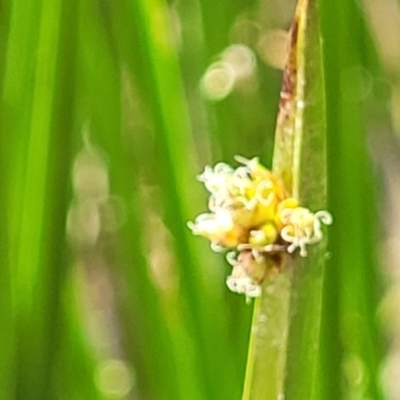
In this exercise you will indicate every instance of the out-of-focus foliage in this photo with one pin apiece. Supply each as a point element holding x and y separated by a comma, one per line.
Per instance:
<point>108,112</point>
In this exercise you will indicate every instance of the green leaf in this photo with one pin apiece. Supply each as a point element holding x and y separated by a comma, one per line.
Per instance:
<point>286,327</point>
<point>129,72</point>
<point>352,339</point>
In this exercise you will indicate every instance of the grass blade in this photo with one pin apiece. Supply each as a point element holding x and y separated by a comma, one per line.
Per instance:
<point>306,298</point>
<point>285,363</point>
<point>351,333</point>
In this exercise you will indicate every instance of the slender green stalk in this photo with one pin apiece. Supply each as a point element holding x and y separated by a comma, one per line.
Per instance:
<point>38,148</point>
<point>7,320</point>
<point>299,158</point>
<point>30,88</point>
<point>251,352</point>
<point>267,351</point>
<point>174,144</point>
<point>351,333</point>
<point>131,71</point>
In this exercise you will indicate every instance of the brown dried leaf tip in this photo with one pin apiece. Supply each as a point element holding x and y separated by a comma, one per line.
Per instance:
<point>252,215</point>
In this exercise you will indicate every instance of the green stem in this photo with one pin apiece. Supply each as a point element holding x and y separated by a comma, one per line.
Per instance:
<point>251,354</point>
<point>267,351</point>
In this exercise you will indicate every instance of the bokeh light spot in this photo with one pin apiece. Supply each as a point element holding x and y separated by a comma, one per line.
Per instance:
<point>273,48</point>
<point>114,378</point>
<point>218,81</point>
<point>242,60</point>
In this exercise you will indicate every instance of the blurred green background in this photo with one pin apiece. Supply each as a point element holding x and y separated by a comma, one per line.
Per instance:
<point>109,110</point>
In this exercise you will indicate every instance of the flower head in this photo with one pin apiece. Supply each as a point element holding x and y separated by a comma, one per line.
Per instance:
<point>300,226</point>
<point>252,213</point>
<point>248,272</point>
<point>219,228</point>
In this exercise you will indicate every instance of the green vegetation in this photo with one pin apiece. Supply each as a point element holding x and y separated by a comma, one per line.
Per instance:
<point>109,110</point>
